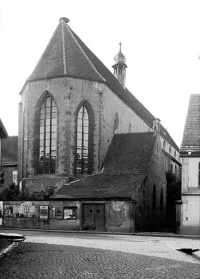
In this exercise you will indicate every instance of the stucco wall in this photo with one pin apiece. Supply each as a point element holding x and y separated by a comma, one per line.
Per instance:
<point>119,215</point>
<point>190,215</point>
<point>29,215</point>
<point>190,172</point>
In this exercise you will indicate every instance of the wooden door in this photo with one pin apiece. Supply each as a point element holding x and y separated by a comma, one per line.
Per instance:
<point>94,217</point>
<point>99,211</point>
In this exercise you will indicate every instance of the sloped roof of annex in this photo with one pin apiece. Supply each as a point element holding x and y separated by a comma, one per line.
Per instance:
<point>125,168</point>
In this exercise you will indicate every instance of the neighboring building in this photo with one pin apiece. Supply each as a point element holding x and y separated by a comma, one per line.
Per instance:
<point>3,135</point>
<point>9,161</point>
<point>190,155</point>
<point>71,107</point>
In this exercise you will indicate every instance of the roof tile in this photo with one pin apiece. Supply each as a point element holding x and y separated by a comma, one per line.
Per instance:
<point>191,135</point>
<point>125,167</point>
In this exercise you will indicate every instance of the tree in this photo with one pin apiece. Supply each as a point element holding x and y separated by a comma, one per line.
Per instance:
<point>173,194</point>
<point>173,188</point>
<point>2,178</point>
<point>13,194</point>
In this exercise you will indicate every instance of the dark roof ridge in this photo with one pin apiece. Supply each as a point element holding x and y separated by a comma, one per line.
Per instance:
<point>137,133</point>
<point>13,136</point>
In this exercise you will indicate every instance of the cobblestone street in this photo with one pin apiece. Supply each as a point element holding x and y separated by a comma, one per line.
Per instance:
<point>79,255</point>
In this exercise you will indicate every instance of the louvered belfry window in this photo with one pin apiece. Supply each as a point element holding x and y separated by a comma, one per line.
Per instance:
<point>48,136</point>
<point>82,141</point>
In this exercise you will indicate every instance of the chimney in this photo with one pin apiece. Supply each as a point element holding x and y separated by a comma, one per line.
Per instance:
<point>156,125</point>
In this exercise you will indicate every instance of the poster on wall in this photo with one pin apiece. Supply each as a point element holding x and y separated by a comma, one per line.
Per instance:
<point>1,212</point>
<point>44,212</point>
<point>70,213</point>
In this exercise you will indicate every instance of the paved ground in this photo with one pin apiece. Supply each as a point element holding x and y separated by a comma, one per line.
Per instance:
<point>66,255</point>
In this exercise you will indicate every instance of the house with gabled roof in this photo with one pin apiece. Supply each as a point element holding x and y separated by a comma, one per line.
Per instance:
<point>71,107</point>
<point>9,161</point>
<point>3,135</point>
<point>190,155</point>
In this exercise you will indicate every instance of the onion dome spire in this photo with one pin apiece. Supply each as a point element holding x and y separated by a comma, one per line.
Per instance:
<point>120,66</point>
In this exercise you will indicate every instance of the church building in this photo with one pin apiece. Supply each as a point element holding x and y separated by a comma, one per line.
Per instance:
<point>72,111</point>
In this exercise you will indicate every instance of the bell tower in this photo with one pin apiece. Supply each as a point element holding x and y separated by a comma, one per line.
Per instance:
<point>120,67</point>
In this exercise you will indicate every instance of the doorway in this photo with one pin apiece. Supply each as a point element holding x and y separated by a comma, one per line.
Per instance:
<point>94,217</point>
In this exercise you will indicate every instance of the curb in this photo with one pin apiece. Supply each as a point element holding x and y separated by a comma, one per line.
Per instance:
<point>8,249</point>
<point>153,234</point>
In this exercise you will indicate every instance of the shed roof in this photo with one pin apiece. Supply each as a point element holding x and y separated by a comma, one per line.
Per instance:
<point>125,167</point>
<point>101,186</point>
<point>130,153</point>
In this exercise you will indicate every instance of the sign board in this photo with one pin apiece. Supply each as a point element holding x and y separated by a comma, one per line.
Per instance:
<point>44,212</point>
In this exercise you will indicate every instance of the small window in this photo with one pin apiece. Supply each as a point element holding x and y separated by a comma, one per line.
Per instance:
<point>164,144</point>
<point>70,213</point>
<point>199,175</point>
<point>58,212</point>
<point>175,170</point>
<point>14,176</point>
<point>170,149</point>
<point>175,154</point>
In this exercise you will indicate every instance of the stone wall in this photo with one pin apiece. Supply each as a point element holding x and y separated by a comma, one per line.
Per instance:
<point>147,217</point>
<point>110,115</point>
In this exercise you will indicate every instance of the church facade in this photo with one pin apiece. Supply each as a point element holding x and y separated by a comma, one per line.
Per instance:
<point>71,107</point>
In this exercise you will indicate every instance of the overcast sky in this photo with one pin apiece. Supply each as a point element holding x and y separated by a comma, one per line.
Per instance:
<point>160,39</point>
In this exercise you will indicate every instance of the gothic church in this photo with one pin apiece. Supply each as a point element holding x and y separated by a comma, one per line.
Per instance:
<point>71,109</point>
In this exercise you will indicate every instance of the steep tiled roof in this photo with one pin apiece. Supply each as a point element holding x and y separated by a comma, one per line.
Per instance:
<point>9,150</point>
<point>67,55</point>
<point>3,132</point>
<point>64,56</point>
<point>125,167</point>
<point>102,186</point>
<point>191,135</point>
<point>130,153</point>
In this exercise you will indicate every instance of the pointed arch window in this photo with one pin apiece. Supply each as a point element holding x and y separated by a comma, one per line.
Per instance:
<point>48,136</point>
<point>83,160</point>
